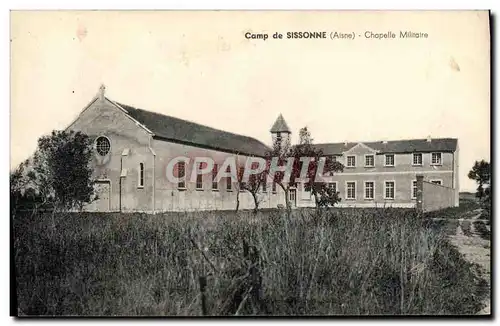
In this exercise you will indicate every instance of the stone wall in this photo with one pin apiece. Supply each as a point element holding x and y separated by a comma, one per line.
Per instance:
<point>432,197</point>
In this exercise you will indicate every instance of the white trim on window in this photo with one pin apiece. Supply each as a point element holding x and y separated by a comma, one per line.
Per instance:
<point>440,158</point>
<point>199,179</point>
<point>215,184</point>
<point>181,185</point>
<point>370,166</point>
<point>421,159</point>
<point>437,180</point>
<point>347,190</point>
<point>373,189</point>
<point>347,161</point>
<point>411,189</point>
<point>393,192</point>
<point>393,160</point>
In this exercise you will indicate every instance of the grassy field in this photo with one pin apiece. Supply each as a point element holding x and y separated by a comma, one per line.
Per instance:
<point>466,209</point>
<point>346,261</point>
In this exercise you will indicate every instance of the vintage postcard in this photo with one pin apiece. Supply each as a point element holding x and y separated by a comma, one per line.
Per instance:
<point>250,163</point>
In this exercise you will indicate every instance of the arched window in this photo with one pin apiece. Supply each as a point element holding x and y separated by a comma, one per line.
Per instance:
<point>102,145</point>
<point>141,175</point>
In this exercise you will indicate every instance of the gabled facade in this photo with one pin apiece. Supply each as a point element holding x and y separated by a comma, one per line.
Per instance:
<point>384,174</point>
<point>133,148</point>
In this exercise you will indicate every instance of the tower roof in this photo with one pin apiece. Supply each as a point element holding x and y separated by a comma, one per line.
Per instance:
<point>280,125</point>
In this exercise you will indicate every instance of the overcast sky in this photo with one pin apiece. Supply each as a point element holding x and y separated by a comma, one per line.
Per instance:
<point>199,66</point>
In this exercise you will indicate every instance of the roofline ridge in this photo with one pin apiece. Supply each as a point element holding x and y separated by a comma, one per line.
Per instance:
<point>190,121</point>
<point>393,140</point>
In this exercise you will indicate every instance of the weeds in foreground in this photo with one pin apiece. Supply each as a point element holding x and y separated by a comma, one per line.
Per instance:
<point>348,262</point>
<point>483,231</point>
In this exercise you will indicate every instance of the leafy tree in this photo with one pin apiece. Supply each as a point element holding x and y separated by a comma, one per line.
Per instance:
<point>324,196</point>
<point>18,182</point>
<point>481,173</point>
<point>62,171</point>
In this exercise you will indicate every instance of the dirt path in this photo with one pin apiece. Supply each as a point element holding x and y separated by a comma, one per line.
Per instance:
<point>476,249</point>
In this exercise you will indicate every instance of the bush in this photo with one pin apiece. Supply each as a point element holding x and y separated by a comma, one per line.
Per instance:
<point>332,261</point>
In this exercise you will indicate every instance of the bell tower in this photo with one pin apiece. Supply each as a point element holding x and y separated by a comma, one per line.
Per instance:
<point>281,133</point>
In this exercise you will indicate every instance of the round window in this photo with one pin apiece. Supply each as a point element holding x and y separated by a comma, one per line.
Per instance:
<point>102,145</point>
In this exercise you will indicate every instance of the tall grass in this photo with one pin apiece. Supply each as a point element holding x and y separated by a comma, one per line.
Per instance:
<point>349,262</point>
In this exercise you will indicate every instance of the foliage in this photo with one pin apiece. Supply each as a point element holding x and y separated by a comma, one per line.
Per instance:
<point>305,149</point>
<point>324,196</point>
<point>481,173</point>
<point>331,261</point>
<point>62,171</point>
<point>18,183</point>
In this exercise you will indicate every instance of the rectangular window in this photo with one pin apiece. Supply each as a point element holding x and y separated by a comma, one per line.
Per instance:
<point>199,178</point>
<point>351,161</point>
<point>182,174</point>
<point>229,184</point>
<point>253,179</point>
<point>369,189</point>
<point>369,161</point>
<point>436,159</point>
<point>333,186</point>
<point>351,190</point>
<point>264,186</point>
<point>141,176</point>
<point>215,185</point>
<point>389,160</point>
<point>414,189</point>
<point>274,187</point>
<point>438,182</point>
<point>417,159</point>
<point>389,189</point>
<point>242,184</point>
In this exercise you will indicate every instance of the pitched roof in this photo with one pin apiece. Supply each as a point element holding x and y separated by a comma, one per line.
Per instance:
<point>173,129</point>
<point>394,146</point>
<point>280,125</point>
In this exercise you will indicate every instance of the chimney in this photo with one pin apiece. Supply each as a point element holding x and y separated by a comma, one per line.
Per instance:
<point>102,90</point>
<point>429,139</point>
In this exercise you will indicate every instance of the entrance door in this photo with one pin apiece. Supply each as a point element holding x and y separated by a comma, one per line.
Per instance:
<point>292,197</point>
<point>102,189</point>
